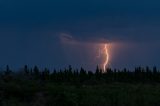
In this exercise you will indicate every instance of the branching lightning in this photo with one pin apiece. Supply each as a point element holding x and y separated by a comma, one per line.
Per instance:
<point>103,53</point>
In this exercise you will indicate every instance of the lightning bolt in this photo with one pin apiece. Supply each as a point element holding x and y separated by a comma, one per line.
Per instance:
<point>103,52</point>
<point>107,57</point>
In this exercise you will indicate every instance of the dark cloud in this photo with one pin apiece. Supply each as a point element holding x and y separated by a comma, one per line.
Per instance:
<point>111,19</point>
<point>30,29</point>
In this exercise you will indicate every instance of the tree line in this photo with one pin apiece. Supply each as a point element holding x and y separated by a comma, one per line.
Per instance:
<point>82,76</point>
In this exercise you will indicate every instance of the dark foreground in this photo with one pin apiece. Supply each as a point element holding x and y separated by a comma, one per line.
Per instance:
<point>34,87</point>
<point>50,94</point>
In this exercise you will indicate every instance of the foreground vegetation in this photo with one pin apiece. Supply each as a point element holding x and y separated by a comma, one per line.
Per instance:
<point>69,87</point>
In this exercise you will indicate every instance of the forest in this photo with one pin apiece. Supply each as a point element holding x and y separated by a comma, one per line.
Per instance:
<point>79,87</point>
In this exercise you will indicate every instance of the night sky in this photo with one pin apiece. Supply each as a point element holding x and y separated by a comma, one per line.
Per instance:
<point>58,33</point>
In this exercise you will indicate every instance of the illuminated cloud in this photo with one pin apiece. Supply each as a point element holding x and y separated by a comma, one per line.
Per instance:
<point>90,52</point>
<point>69,39</point>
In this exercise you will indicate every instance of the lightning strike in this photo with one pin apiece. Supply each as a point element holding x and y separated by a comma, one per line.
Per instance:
<point>104,55</point>
<point>107,57</point>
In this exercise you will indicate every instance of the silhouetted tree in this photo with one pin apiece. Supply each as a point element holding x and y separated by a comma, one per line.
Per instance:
<point>98,72</point>
<point>36,72</point>
<point>8,71</point>
<point>26,70</point>
<point>82,75</point>
<point>7,74</point>
<point>45,74</point>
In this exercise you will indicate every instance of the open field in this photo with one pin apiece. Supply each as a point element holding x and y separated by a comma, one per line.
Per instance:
<point>51,94</point>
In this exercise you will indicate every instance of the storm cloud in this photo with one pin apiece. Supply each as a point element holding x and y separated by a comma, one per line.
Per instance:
<point>30,30</point>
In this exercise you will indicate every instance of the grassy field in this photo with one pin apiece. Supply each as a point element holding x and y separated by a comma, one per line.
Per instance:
<point>34,87</point>
<point>52,94</point>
